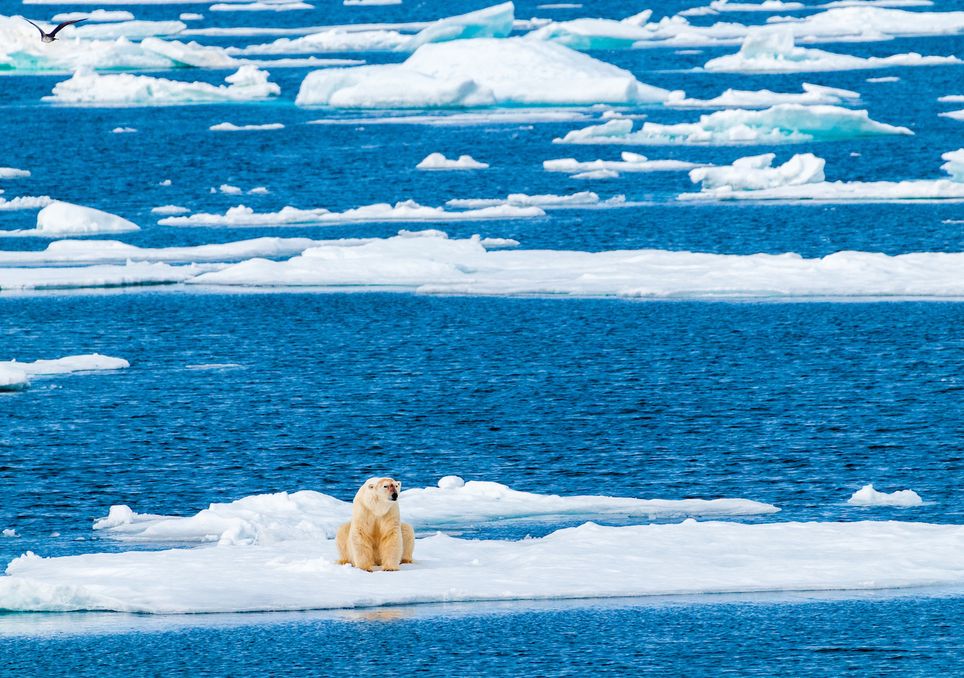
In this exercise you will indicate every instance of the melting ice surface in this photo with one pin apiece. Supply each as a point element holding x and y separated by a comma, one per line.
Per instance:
<point>15,375</point>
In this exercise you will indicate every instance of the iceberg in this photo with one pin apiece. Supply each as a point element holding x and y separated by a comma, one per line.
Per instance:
<point>764,98</point>
<point>407,210</point>
<point>15,376</point>
<point>868,496</point>
<point>87,87</point>
<point>437,161</point>
<point>802,178</point>
<point>784,123</point>
<point>452,504</point>
<point>773,51</point>
<point>490,22</point>
<point>479,72</point>
<point>588,34</point>
<point>628,162</point>
<point>434,264</point>
<point>590,561</point>
<point>60,218</point>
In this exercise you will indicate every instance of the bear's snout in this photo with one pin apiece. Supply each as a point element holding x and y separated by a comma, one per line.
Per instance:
<point>394,496</point>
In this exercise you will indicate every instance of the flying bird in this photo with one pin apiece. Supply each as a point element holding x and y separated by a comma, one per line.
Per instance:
<point>52,35</point>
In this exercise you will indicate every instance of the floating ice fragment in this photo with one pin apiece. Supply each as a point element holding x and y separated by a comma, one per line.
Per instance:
<point>437,161</point>
<point>123,130</point>
<point>97,15</point>
<point>260,6</point>
<point>13,173</point>
<point>60,218</point>
<point>15,375</point>
<point>604,169</point>
<point>868,496</point>
<point>169,209</point>
<point>230,127</point>
<point>733,98</point>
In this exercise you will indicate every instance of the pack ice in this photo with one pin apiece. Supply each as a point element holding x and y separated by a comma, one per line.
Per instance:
<point>63,218</point>
<point>15,375</point>
<point>479,72</point>
<point>783,123</point>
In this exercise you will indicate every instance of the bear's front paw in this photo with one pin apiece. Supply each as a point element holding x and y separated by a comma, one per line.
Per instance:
<point>389,568</point>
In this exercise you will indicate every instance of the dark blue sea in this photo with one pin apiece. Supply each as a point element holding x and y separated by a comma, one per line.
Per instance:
<point>797,404</point>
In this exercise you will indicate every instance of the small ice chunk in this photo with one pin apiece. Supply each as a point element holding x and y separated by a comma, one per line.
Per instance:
<point>166,182</point>
<point>868,496</point>
<point>119,514</point>
<point>229,189</point>
<point>230,127</point>
<point>123,130</point>
<point>61,218</point>
<point>437,161</point>
<point>9,532</point>
<point>170,209</point>
<point>190,16</point>
<point>450,482</point>
<point>13,173</point>
<point>97,15</point>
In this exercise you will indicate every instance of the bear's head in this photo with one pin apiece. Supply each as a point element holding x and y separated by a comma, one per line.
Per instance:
<point>379,494</point>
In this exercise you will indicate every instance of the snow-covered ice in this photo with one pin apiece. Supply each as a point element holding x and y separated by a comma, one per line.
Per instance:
<point>260,6</point>
<point>452,504</point>
<point>506,116</point>
<point>169,209</point>
<point>802,178</point>
<point>546,201</point>
<point>489,22</point>
<point>436,264</point>
<point>479,72</point>
<point>628,162</point>
<point>60,218</point>
<point>437,161</point>
<point>132,30</point>
<point>82,277</point>
<point>407,210</point>
<point>764,98</point>
<point>87,87</point>
<point>13,173</point>
<point>231,127</point>
<point>773,51</point>
<point>23,202</point>
<point>123,130</point>
<point>97,15</point>
<point>15,375</point>
<point>868,496</point>
<point>784,123</point>
<point>582,562</point>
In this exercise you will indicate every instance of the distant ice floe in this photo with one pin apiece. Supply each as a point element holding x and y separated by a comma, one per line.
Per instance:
<point>437,265</point>
<point>169,209</point>
<point>123,130</point>
<point>190,16</point>
<point>784,123</point>
<point>477,73</point>
<point>13,173</point>
<point>437,161</point>
<point>231,127</point>
<point>802,178</point>
<point>132,30</point>
<point>370,3</point>
<point>953,99</point>
<point>490,22</point>
<point>764,98</point>
<point>97,15</point>
<point>15,376</point>
<point>58,219</point>
<point>773,51</point>
<point>407,210</point>
<point>454,503</point>
<point>87,87</point>
<point>261,6</point>
<point>868,496</point>
<point>628,162</point>
<point>580,200</point>
<point>131,274</point>
<point>506,116</point>
<point>589,561</point>
<point>23,202</point>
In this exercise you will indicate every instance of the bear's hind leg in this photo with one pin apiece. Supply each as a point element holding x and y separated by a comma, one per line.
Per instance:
<point>408,543</point>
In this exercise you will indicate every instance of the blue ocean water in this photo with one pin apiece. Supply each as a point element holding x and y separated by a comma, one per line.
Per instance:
<point>797,404</point>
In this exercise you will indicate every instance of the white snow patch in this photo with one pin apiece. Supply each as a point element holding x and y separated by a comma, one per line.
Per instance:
<point>87,87</point>
<point>583,562</point>
<point>784,123</point>
<point>479,72</point>
<point>230,127</point>
<point>437,161</point>
<point>868,496</point>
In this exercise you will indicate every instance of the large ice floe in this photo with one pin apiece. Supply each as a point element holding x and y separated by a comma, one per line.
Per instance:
<point>15,375</point>
<point>60,218</point>
<point>435,264</point>
<point>479,72</point>
<point>868,496</point>
<point>784,123</point>
<point>22,52</point>
<point>589,561</point>
<point>453,504</point>
<point>802,178</point>
<point>87,87</point>
<point>131,274</point>
<point>773,51</point>
<point>764,98</point>
<point>407,211</point>
<point>490,22</point>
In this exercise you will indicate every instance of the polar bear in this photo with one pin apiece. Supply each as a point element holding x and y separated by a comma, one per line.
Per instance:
<point>376,534</point>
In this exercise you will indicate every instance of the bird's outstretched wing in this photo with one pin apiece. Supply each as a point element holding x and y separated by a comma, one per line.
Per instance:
<point>35,26</point>
<point>64,25</point>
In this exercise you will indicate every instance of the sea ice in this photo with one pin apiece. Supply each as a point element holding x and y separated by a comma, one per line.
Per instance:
<point>231,127</point>
<point>370,3</point>
<point>605,169</point>
<point>87,87</point>
<point>132,30</point>
<point>97,15</point>
<point>580,200</point>
<point>23,202</point>
<point>259,6</point>
<point>764,98</point>
<point>80,277</point>
<point>582,562</point>
<point>453,504</point>
<point>123,130</point>
<point>954,115</point>
<point>15,376</point>
<point>13,173</point>
<point>407,210</point>
<point>437,161</point>
<point>506,116</point>
<point>784,123</point>
<point>802,178</point>
<point>63,218</point>
<point>772,50</point>
<point>868,496</point>
<point>489,22</point>
<point>479,72</point>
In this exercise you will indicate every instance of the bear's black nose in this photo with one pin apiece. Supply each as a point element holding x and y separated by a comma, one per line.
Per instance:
<point>394,496</point>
